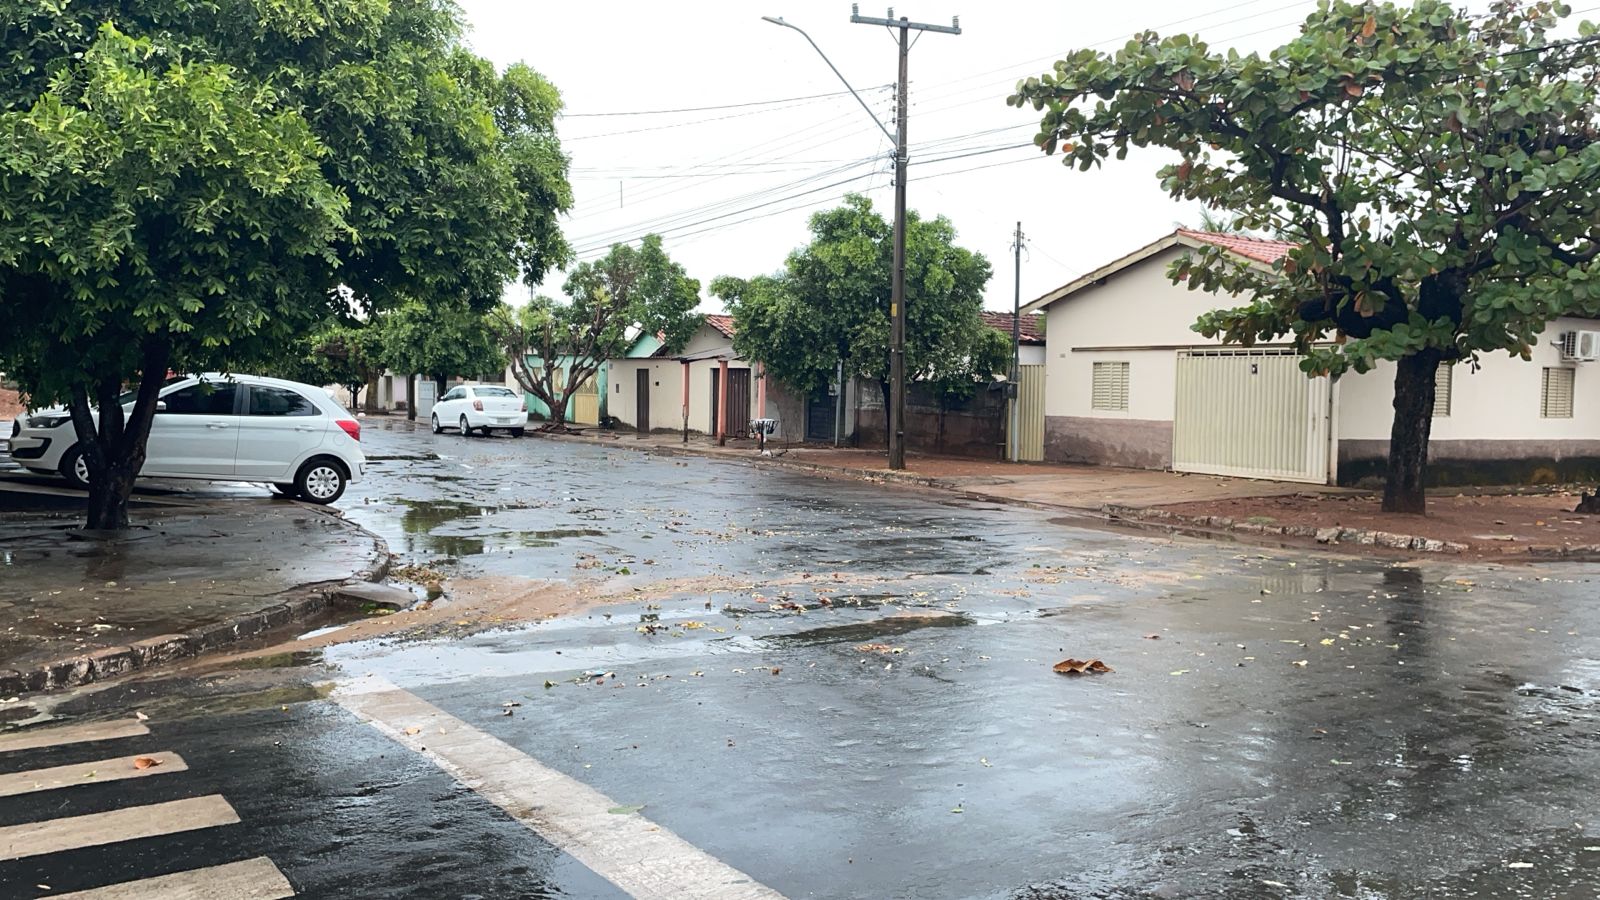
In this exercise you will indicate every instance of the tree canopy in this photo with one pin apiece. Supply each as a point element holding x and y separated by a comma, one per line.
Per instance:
<point>628,292</point>
<point>1435,168</point>
<point>442,340</point>
<point>194,185</point>
<point>831,303</point>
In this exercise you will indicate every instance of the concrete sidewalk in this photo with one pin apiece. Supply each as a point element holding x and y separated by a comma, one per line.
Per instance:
<point>1083,488</point>
<point>78,606</point>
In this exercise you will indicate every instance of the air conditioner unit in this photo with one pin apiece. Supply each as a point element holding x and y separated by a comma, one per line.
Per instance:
<point>1580,346</point>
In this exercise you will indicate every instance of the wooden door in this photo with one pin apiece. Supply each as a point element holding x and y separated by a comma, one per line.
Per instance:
<point>738,424</point>
<point>642,399</point>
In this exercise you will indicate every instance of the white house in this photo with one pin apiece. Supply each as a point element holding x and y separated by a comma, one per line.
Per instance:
<point>1128,383</point>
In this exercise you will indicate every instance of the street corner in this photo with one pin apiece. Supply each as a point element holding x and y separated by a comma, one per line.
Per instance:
<point>78,606</point>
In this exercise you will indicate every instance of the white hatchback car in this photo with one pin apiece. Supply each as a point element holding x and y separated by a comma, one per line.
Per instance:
<point>293,436</point>
<point>482,407</point>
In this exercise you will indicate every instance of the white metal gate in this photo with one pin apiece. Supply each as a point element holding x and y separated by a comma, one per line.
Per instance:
<point>1252,414</point>
<point>1030,416</point>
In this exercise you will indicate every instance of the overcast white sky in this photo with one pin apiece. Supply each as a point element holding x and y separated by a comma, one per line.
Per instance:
<point>730,189</point>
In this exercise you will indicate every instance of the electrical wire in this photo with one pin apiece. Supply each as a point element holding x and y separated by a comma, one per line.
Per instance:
<point>689,109</point>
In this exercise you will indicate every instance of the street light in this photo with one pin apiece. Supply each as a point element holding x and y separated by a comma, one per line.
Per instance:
<point>896,413</point>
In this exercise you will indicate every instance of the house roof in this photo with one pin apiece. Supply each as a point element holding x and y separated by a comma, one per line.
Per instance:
<point>721,323</point>
<point>1255,250</point>
<point>1028,332</point>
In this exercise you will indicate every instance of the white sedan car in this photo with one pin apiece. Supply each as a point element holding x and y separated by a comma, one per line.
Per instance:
<point>480,407</point>
<point>292,436</point>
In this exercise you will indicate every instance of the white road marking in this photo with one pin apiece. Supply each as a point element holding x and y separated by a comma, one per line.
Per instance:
<point>640,857</point>
<point>252,879</point>
<point>34,738</point>
<point>114,769</point>
<point>98,829</point>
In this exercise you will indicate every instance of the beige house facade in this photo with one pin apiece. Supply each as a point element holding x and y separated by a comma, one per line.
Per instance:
<point>1129,383</point>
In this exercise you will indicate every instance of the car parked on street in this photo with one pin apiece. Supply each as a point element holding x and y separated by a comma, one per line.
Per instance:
<point>480,407</point>
<point>293,436</point>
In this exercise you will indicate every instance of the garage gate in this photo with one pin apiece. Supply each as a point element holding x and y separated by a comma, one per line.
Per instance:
<point>1251,414</point>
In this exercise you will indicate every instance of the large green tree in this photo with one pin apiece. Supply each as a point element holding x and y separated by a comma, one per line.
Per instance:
<point>1438,170</point>
<point>442,340</point>
<point>830,304</point>
<point>348,354</point>
<point>195,184</point>
<point>610,301</point>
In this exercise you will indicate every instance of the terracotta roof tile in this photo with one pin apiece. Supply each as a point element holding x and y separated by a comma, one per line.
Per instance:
<point>721,323</point>
<point>1029,332</point>
<point>1250,248</point>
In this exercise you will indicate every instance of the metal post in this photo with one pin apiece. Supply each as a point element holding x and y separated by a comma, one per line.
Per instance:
<point>1016,351</point>
<point>838,405</point>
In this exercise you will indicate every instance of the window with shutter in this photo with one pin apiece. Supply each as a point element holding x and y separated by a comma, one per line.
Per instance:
<point>1110,386</point>
<point>1557,400</point>
<point>1441,391</point>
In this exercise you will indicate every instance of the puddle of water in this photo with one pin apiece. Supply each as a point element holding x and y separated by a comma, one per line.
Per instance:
<point>290,660</point>
<point>860,632</point>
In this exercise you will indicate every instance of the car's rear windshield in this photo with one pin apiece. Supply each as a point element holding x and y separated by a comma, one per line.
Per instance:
<point>494,392</point>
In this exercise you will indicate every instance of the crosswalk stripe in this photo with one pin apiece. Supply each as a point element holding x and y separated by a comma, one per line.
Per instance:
<point>252,879</point>
<point>34,738</point>
<point>114,769</point>
<point>640,857</point>
<point>97,829</point>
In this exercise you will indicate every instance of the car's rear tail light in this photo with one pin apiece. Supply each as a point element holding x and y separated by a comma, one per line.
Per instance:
<point>477,405</point>
<point>351,427</point>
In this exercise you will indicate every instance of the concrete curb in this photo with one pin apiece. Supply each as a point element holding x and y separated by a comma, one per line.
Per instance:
<point>1333,535</point>
<point>297,604</point>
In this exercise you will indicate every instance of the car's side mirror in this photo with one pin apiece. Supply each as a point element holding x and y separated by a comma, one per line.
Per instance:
<point>161,406</point>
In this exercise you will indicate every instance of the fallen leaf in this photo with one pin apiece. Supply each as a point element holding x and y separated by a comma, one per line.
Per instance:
<point>413,730</point>
<point>1081,667</point>
<point>958,810</point>
<point>1300,662</point>
<point>145,762</point>
<point>548,683</point>
<point>1519,865</point>
<point>142,717</point>
<point>985,761</point>
<point>1327,642</point>
<point>625,810</point>
<point>1152,637</point>
<point>1179,672</point>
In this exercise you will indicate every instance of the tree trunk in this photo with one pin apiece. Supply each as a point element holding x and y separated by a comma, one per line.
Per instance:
<point>1408,438</point>
<point>372,392</point>
<point>411,397</point>
<point>108,499</point>
<point>114,443</point>
<point>438,384</point>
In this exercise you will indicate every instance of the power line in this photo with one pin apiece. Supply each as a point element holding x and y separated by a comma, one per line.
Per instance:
<point>689,109</point>
<point>633,131</point>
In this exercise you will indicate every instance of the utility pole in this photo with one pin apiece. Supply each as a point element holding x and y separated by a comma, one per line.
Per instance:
<point>896,413</point>
<point>1016,350</point>
<point>897,289</point>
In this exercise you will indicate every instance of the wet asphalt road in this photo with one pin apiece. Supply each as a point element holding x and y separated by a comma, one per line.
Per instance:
<point>1278,724</point>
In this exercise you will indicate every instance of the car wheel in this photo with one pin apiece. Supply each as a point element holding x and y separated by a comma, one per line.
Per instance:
<point>320,481</point>
<point>434,421</point>
<point>74,468</point>
<point>466,430</point>
<point>518,432</point>
<point>283,490</point>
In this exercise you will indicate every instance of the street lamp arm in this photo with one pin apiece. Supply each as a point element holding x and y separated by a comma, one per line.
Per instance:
<point>777,20</point>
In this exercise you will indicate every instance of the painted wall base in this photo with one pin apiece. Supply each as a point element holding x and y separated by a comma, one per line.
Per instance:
<point>1362,463</point>
<point>1131,443</point>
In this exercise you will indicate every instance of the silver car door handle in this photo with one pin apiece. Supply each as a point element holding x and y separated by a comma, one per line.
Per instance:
<point>304,428</point>
<point>217,425</point>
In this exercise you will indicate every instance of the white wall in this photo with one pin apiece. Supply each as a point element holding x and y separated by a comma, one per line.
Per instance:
<point>666,393</point>
<point>1501,401</point>
<point>1138,306</point>
<point>1031,355</point>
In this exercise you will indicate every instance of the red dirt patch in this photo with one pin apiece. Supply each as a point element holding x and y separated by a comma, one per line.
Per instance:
<point>1512,523</point>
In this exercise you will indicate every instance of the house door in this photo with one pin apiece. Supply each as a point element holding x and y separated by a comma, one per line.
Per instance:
<point>1251,414</point>
<point>738,424</point>
<point>641,390</point>
<point>821,416</point>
